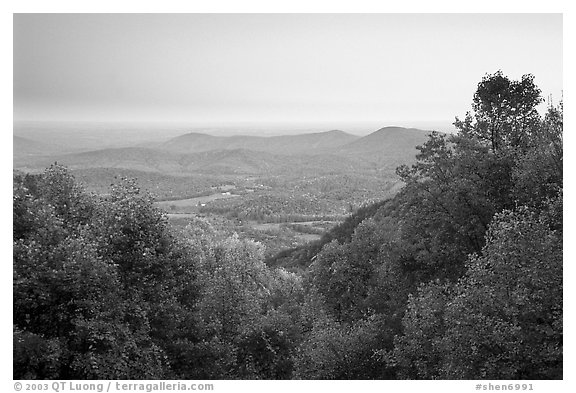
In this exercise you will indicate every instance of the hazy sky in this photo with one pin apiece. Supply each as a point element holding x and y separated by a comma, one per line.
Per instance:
<point>213,68</point>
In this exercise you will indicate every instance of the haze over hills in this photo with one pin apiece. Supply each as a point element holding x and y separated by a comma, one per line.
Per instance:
<point>72,137</point>
<point>24,147</point>
<point>392,142</point>
<point>330,151</point>
<point>286,144</point>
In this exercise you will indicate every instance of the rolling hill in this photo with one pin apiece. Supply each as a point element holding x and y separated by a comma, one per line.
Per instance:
<point>236,161</point>
<point>314,143</point>
<point>317,153</point>
<point>395,142</point>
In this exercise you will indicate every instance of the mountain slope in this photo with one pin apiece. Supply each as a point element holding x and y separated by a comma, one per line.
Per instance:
<point>388,147</point>
<point>388,140</point>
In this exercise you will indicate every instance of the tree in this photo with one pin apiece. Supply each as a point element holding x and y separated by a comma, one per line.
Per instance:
<point>505,112</point>
<point>451,194</point>
<point>133,234</point>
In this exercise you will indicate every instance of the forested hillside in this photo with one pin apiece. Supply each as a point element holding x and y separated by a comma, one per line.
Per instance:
<point>458,276</point>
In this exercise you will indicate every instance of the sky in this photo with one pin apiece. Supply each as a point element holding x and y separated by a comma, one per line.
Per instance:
<point>405,69</point>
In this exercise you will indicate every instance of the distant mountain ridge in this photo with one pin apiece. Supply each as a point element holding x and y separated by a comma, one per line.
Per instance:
<point>324,152</point>
<point>390,138</point>
<point>285,144</point>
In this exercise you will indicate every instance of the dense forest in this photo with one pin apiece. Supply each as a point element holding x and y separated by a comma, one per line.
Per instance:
<point>458,276</point>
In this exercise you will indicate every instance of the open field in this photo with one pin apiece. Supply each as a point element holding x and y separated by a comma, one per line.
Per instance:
<point>192,204</point>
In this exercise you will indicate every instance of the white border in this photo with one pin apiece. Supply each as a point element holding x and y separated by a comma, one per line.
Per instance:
<point>308,6</point>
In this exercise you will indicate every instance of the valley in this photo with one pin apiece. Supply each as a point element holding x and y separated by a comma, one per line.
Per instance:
<point>282,191</point>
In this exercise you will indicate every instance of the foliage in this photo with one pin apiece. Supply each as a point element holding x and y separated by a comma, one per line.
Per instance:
<point>502,320</point>
<point>336,351</point>
<point>68,299</point>
<point>538,174</point>
<point>505,114</point>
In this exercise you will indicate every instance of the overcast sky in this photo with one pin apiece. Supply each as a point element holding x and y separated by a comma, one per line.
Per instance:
<point>262,68</point>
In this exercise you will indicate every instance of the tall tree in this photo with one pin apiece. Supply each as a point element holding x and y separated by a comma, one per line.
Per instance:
<point>505,112</point>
